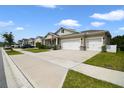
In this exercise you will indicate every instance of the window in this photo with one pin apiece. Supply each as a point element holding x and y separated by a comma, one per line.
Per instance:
<point>62,31</point>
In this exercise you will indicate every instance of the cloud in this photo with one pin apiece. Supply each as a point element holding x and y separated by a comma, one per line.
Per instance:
<point>97,24</point>
<point>69,22</point>
<point>48,6</point>
<point>121,28</point>
<point>19,28</point>
<point>110,16</point>
<point>6,24</point>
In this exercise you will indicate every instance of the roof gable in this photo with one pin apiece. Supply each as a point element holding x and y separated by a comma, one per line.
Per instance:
<point>65,31</point>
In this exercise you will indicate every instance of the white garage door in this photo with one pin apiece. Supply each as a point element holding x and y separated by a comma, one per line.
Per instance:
<point>71,44</point>
<point>94,44</point>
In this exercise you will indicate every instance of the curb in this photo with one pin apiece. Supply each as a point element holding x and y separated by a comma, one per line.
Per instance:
<point>14,76</point>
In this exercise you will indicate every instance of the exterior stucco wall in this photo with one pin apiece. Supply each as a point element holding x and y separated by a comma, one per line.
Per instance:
<point>38,40</point>
<point>48,37</point>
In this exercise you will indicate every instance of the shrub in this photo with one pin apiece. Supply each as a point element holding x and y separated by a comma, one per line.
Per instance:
<point>55,48</point>
<point>38,45</point>
<point>104,48</point>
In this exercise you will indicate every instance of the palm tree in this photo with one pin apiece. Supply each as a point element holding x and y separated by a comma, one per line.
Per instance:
<point>9,39</point>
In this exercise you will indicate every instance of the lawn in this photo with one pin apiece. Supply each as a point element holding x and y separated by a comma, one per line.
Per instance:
<point>35,50</point>
<point>113,61</point>
<point>77,80</point>
<point>13,52</point>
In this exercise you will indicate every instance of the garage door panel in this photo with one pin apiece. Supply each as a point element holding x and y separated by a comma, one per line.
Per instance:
<point>72,44</point>
<point>94,44</point>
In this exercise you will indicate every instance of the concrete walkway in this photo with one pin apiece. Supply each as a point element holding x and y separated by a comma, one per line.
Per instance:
<point>113,76</point>
<point>3,83</point>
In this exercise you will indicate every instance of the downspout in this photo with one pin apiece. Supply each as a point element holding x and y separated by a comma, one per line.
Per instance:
<point>84,42</point>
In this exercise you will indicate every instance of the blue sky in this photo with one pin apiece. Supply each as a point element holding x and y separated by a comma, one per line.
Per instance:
<point>32,21</point>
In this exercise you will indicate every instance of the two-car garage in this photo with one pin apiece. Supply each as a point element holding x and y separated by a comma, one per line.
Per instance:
<point>94,44</point>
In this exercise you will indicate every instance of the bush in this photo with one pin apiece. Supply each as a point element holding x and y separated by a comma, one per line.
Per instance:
<point>38,45</point>
<point>104,48</point>
<point>55,48</point>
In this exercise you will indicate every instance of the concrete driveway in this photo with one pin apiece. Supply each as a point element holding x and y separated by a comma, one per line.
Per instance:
<point>48,69</point>
<point>66,58</point>
<point>40,72</point>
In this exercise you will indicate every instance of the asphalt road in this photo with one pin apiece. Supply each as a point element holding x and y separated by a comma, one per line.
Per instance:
<point>3,83</point>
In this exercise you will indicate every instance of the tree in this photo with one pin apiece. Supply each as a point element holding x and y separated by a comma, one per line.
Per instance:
<point>8,39</point>
<point>119,41</point>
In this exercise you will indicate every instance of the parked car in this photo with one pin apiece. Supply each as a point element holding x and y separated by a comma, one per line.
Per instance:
<point>7,47</point>
<point>27,46</point>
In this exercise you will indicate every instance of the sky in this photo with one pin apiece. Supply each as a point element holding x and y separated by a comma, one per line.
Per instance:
<point>31,21</point>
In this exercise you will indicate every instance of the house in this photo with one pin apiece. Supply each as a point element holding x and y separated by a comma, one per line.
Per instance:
<point>31,41</point>
<point>19,43</point>
<point>24,42</point>
<point>39,39</point>
<point>51,39</point>
<point>73,40</point>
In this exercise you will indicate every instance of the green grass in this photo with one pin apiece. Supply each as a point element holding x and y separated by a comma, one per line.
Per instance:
<point>9,52</point>
<point>113,61</point>
<point>78,80</point>
<point>34,50</point>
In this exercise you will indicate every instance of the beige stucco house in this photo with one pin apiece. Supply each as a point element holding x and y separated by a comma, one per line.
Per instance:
<point>72,40</point>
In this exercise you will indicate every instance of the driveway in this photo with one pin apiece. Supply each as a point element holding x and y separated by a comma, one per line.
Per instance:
<point>40,72</point>
<point>49,69</point>
<point>64,58</point>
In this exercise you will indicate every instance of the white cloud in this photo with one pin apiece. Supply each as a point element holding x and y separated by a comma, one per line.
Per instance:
<point>97,24</point>
<point>110,16</point>
<point>48,6</point>
<point>69,22</point>
<point>19,28</point>
<point>121,28</point>
<point>5,24</point>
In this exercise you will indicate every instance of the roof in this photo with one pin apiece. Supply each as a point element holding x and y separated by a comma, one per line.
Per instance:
<point>39,37</point>
<point>70,30</point>
<point>96,32</point>
<point>88,33</point>
<point>92,31</point>
<point>31,38</point>
<point>24,39</point>
<point>51,33</point>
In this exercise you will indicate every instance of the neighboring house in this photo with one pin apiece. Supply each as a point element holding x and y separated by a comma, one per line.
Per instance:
<point>20,43</point>
<point>39,39</point>
<point>24,42</point>
<point>31,41</point>
<point>72,40</point>
<point>51,39</point>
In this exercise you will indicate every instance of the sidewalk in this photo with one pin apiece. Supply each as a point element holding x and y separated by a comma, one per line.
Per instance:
<point>112,76</point>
